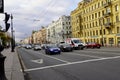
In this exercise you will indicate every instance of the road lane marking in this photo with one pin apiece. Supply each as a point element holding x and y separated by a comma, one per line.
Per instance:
<point>55,58</point>
<point>99,52</point>
<point>78,62</point>
<point>40,61</point>
<point>83,55</point>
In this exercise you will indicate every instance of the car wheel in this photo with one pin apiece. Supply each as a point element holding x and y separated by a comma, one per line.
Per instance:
<point>98,47</point>
<point>71,50</point>
<point>92,47</point>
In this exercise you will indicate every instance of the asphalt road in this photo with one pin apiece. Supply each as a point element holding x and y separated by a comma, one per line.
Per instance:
<point>88,64</point>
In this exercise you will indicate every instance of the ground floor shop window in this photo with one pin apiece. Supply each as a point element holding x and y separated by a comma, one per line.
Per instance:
<point>111,41</point>
<point>118,41</point>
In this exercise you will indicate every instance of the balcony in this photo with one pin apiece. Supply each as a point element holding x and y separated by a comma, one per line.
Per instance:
<point>107,4</point>
<point>108,25</point>
<point>107,14</point>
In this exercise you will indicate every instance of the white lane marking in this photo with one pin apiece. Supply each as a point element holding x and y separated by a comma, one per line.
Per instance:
<point>78,62</point>
<point>83,55</point>
<point>100,52</point>
<point>55,58</point>
<point>40,61</point>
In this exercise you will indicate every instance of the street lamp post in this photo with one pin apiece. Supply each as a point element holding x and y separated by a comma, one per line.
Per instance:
<point>102,40</point>
<point>12,39</point>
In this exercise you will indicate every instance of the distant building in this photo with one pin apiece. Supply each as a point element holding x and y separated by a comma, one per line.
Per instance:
<point>59,30</point>
<point>38,37</point>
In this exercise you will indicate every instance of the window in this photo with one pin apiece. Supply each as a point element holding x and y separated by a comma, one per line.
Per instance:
<point>104,31</point>
<point>108,19</point>
<point>96,23</point>
<point>118,29</point>
<point>108,10</point>
<point>92,7</point>
<point>90,25</point>
<point>116,7</point>
<point>89,17</point>
<point>99,14</point>
<point>110,31</point>
<point>93,24</point>
<point>96,32</point>
<point>98,5</point>
<point>102,3</point>
<point>92,16</point>
<point>63,23</point>
<point>95,6</point>
<point>93,33</point>
<point>100,32</point>
<point>95,15</point>
<point>103,12</point>
<point>117,18</point>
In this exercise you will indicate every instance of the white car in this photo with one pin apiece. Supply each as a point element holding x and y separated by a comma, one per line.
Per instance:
<point>28,46</point>
<point>37,47</point>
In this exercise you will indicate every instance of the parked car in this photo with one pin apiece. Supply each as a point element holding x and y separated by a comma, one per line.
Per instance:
<point>28,46</point>
<point>43,46</point>
<point>65,47</point>
<point>52,49</point>
<point>93,45</point>
<point>37,47</point>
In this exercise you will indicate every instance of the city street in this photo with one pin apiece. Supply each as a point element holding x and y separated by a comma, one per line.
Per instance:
<point>87,64</point>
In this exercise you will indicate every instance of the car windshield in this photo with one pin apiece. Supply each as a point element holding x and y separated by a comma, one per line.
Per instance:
<point>77,41</point>
<point>66,45</point>
<point>52,46</point>
<point>37,45</point>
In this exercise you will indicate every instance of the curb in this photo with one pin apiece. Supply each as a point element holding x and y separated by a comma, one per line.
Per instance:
<point>26,75</point>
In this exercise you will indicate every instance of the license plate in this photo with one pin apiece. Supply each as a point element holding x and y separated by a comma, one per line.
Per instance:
<point>56,51</point>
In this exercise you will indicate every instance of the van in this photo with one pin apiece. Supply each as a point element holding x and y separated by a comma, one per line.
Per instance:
<point>76,43</point>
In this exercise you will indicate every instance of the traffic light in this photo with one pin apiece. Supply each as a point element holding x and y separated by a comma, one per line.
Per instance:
<point>1,6</point>
<point>7,25</point>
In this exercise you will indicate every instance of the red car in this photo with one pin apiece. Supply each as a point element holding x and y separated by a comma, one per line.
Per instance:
<point>93,45</point>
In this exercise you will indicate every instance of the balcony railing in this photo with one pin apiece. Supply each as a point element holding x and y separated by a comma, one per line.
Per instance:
<point>108,24</point>
<point>107,14</point>
<point>107,4</point>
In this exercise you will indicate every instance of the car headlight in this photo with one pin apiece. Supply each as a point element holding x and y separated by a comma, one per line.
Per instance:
<point>64,47</point>
<point>58,49</point>
<point>51,49</point>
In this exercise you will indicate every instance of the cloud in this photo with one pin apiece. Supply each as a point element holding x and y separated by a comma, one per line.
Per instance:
<point>30,15</point>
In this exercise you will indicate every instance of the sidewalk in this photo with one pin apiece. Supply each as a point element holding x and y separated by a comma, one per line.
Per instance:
<point>12,65</point>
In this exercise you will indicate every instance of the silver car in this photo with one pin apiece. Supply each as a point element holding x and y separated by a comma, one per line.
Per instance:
<point>37,47</point>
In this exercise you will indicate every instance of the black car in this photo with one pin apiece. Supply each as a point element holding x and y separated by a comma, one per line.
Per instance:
<point>65,47</point>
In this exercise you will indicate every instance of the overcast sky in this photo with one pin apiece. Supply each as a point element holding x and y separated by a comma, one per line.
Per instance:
<point>30,15</point>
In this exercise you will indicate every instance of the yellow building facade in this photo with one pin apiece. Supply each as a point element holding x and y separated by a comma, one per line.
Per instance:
<point>97,21</point>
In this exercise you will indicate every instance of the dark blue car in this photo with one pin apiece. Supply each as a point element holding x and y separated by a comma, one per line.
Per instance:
<point>52,49</point>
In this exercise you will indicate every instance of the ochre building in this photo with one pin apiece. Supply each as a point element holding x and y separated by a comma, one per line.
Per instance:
<point>97,21</point>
